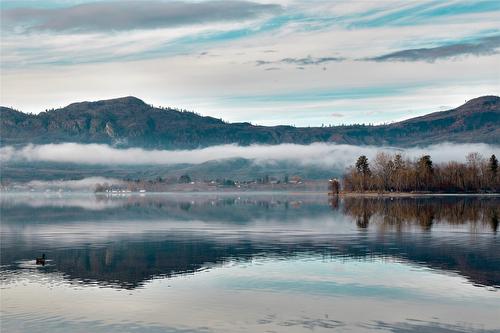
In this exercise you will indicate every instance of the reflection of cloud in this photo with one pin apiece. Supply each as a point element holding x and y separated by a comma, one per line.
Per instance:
<point>483,46</point>
<point>414,326</point>
<point>304,322</point>
<point>128,15</point>
<point>318,154</point>
<point>312,323</point>
<point>58,201</point>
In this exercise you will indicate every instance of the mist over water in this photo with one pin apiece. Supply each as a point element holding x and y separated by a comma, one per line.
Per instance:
<point>324,155</point>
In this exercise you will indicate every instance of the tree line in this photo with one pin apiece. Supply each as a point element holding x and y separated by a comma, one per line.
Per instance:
<point>394,173</point>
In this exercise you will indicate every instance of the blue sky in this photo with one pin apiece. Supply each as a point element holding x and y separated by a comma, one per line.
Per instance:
<point>305,63</point>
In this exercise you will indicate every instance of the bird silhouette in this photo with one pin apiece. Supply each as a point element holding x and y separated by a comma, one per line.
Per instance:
<point>41,261</point>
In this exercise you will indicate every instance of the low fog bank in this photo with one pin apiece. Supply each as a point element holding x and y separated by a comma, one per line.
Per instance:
<point>323,155</point>
<point>85,184</point>
<point>56,166</point>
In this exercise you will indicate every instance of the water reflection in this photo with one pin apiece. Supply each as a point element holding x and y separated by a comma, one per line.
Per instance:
<point>253,262</point>
<point>422,211</point>
<point>124,242</point>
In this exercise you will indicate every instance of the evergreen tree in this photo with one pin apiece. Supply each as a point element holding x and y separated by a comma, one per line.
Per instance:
<point>399,163</point>
<point>363,166</point>
<point>425,164</point>
<point>493,170</point>
<point>493,165</point>
<point>363,169</point>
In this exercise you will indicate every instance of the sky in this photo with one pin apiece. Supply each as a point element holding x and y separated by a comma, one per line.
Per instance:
<point>303,63</point>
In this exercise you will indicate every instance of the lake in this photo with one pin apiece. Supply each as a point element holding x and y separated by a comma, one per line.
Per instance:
<point>249,263</point>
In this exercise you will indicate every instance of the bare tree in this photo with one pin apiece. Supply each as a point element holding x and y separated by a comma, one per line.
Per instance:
<point>393,173</point>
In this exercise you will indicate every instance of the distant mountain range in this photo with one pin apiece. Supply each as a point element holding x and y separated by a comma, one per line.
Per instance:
<point>129,122</point>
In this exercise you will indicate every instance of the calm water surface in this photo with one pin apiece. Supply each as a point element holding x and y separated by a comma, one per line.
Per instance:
<point>249,263</point>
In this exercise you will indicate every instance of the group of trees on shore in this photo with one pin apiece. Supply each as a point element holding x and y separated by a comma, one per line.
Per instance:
<point>394,173</point>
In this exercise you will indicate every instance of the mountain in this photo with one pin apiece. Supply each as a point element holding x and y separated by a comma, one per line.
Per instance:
<point>130,122</point>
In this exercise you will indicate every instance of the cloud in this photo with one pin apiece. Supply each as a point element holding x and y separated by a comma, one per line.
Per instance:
<point>482,46</point>
<point>478,47</point>
<point>310,60</point>
<point>163,64</point>
<point>301,61</point>
<point>128,15</point>
<point>326,155</point>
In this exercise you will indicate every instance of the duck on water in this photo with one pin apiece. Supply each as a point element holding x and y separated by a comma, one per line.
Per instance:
<point>41,260</point>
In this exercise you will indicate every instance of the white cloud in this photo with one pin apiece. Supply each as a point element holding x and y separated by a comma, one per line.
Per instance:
<point>132,14</point>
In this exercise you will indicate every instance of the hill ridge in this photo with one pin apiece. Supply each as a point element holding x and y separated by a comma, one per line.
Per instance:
<point>131,122</point>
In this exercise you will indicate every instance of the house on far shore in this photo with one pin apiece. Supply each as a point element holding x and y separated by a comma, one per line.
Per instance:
<point>295,180</point>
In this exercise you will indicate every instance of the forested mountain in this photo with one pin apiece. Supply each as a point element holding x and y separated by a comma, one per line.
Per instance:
<point>128,122</point>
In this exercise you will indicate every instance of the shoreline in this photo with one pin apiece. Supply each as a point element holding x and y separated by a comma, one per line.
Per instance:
<point>411,194</point>
<point>250,192</point>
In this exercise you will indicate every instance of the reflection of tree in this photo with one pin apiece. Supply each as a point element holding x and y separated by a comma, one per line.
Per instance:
<point>425,218</point>
<point>334,202</point>
<point>424,212</point>
<point>127,261</point>
<point>493,220</point>
<point>363,220</point>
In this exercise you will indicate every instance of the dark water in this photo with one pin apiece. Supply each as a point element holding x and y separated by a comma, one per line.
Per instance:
<point>249,263</point>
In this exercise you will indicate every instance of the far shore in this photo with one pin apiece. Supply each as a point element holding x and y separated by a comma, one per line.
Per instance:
<point>341,194</point>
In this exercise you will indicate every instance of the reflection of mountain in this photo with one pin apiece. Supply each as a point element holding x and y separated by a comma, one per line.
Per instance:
<point>129,263</point>
<point>255,228</point>
<point>209,208</point>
